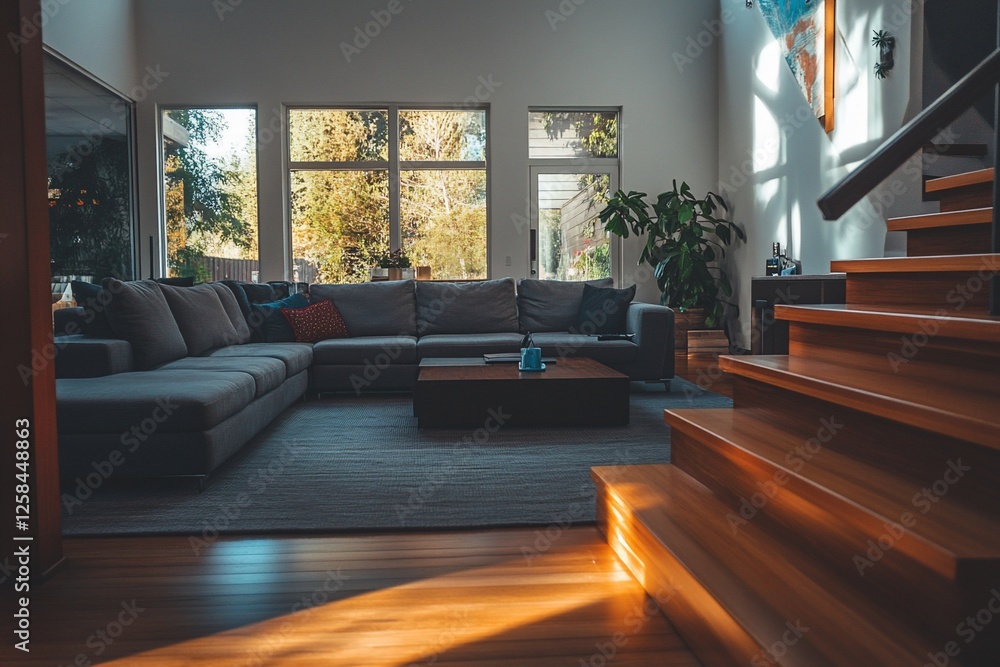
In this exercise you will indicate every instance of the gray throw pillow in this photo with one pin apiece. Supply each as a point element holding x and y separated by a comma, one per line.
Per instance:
<point>202,319</point>
<point>466,308</point>
<point>373,309</point>
<point>551,305</point>
<point>235,313</point>
<point>139,313</point>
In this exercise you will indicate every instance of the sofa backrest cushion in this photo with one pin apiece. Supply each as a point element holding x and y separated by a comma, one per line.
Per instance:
<point>94,300</point>
<point>385,308</point>
<point>139,313</point>
<point>274,327</point>
<point>466,308</point>
<point>235,313</point>
<point>259,292</point>
<point>551,305</point>
<point>201,317</point>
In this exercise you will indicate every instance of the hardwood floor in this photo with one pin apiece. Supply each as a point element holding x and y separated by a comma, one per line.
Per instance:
<point>499,597</point>
<point>703,370</point>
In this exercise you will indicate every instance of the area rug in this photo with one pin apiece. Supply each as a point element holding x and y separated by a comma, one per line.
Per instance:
<point>348,463</point>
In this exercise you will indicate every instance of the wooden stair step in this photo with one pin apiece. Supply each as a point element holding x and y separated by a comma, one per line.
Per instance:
<point>962,191</point>
<point>971,178</point>
<point>946,409</point>
<point>852,493</point>
<point>940,264</point>
<point>896,319</point>
<point>976,216</point>
<point>956,150</point>
<point>662,519</point>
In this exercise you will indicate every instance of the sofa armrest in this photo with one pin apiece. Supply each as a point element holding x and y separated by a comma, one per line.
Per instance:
<point>86,357</point>
<point>653,327</point>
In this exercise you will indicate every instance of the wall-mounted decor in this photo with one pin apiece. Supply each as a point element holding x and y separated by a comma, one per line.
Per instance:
<point>806,31</point>
<point>886,44</point>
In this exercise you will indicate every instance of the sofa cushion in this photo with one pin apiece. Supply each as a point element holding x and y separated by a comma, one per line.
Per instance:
<point>274,326</point>
<point>176,401</point>
<point>295,356</point>
<point>181,281</point>
<point>94,301</point>
<point>610,352</point>
<point>234,312</point>
<point>603,310</point>
<point>466,308</point>
<point>467,345</point>
<point>375,350</point>
<point>267,372</point>
<point>385,308</point>
<point>551,305</point>
<point>139,313</point>
<point>317,322</point>
<point>259,292</point>
<point>201,317</point>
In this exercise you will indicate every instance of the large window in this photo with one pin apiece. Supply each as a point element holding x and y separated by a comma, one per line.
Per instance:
<point>89,148</point>
<point>364,182</point>
<point>574,165</point>
<point>210,193</point>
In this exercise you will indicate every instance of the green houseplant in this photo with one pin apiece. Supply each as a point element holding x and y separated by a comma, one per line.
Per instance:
<point>685,236</point>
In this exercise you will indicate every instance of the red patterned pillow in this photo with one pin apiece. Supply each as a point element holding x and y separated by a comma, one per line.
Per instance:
<point>317,322</point>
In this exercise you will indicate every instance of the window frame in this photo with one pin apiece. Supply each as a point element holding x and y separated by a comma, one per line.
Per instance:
<point>573,165</point>
<point>394,166</point>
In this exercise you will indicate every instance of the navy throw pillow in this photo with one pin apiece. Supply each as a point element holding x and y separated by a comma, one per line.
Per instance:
<point>94,301</point>
<point>603,310</point>
<point>271,323</point>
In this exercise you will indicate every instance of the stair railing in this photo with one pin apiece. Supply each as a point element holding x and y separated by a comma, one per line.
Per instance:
<point>908,140</point>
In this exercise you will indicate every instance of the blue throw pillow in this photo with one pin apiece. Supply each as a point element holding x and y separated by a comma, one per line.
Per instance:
<point>271,324</point>
<point>604,310</point>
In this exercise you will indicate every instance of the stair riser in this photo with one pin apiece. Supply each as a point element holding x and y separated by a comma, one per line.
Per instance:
<point>978,196</point>
<point>966,293</point>
<point>919,353</point>
<point>711,633</point>
<point>960,240</point>
<point>819,523</point>
<point>911,452</point>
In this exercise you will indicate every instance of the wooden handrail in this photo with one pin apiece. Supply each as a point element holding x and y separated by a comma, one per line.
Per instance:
<point>911,138</point>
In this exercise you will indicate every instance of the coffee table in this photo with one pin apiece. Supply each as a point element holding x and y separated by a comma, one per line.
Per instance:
<point>460,393</point>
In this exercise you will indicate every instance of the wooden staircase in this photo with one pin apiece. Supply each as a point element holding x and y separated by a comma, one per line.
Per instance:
<point>846,511</point>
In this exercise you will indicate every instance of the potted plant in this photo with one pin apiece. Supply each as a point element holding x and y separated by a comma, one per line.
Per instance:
<point>685,236</point>
<point>397,265</point>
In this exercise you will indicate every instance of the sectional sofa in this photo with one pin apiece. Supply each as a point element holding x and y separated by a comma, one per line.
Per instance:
<point>185,376</point>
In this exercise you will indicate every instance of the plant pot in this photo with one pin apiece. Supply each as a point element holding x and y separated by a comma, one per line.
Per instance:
<point>377,273</point>
<point>395,274</point>
<point>409,274</point>
<point>690,319</point>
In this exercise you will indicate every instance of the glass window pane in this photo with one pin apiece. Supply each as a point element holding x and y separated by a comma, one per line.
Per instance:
<point>443,219</point>
<point>338,135</point>
<point>340,224</point>
<point>210,193</point>
<point>572,244</point>
<point>89,155</point>
<point>442,135</point>
<point>572,134</point>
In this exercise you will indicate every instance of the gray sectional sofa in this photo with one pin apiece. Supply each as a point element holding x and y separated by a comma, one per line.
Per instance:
<point>182,396</point>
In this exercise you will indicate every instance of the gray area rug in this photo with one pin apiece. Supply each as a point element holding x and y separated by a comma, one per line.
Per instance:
<point>349,463</point>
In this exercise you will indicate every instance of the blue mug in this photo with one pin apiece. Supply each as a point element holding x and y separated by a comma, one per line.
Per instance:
<point>531,358</point>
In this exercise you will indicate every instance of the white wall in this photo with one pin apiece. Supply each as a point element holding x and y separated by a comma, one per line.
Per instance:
<point>792,161</point>
<point>97,35</point>
<point>604,52</point>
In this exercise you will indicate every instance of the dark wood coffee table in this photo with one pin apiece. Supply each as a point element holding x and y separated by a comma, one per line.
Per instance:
<point>471,393</point>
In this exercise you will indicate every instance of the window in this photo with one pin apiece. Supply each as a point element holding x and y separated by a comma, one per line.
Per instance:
<point>574,165</point>
<point>367,181</point>
<point>91,180</point>
<point>210,193</point>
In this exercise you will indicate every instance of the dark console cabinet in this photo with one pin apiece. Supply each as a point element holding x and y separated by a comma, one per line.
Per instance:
<point>770,336</point>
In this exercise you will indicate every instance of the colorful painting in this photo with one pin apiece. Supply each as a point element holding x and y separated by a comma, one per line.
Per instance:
<point>805,29</point>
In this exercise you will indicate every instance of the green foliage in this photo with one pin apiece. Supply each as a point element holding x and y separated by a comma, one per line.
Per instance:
<point>598,131</point>
<point>685,238</point>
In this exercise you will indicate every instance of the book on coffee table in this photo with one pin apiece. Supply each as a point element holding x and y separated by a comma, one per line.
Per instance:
<point>511,358</point>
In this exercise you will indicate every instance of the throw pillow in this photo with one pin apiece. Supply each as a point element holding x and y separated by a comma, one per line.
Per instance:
<point>94,301</point>
<point>604,310</point>
<point>139,313</point>
<point>201,317</point>
<point>235,313</point>
<point>259,293</point>
<point>317,322</point>
<point>274,326</point>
